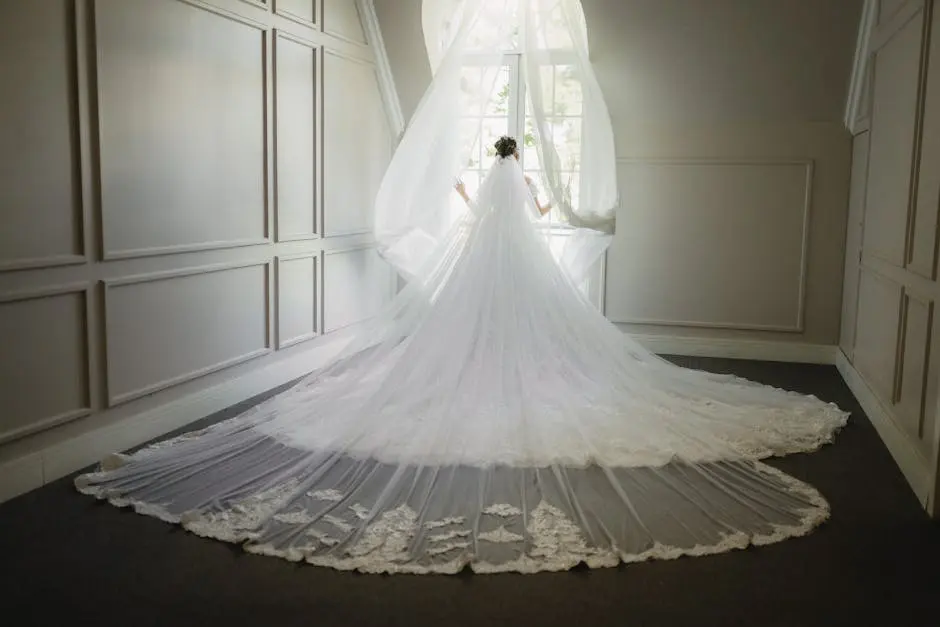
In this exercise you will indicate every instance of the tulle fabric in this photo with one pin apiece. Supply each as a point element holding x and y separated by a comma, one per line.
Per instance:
<point>490,417</point>
<point>409,221</point>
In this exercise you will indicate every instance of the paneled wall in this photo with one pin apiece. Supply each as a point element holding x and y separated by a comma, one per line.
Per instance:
<point>890,290</point>
<point>734,165</point>
<point>758,282</point>
<point>186,192</point>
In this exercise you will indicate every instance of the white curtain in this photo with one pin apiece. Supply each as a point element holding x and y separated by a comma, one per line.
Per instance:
<point>569,153</point>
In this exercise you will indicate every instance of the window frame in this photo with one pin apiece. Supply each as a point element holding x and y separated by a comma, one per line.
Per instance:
<point>517,104</point>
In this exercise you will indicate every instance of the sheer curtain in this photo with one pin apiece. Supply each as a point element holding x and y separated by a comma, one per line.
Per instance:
<point>572,157</point>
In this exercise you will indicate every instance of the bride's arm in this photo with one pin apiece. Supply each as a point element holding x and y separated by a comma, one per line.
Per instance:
<point>462,190</point>
<point>543,209</point>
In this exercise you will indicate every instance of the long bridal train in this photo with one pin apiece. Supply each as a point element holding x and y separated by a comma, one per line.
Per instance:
<point>489,418</point>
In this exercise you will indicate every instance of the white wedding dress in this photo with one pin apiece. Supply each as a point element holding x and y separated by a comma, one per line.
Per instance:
<point>490,417</point>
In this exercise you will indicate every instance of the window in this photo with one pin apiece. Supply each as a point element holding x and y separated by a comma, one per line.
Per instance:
<point>479,129</point>
<point>495,87</point>
<point>562,103</point>
<point>508,112</point>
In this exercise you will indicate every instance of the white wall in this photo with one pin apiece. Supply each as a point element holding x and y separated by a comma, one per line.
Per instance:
<point>186,189</point>
<point>734,162</point>
<point>889,337</point>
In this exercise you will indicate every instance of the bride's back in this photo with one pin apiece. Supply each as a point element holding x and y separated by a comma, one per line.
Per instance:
<point>506,190</point>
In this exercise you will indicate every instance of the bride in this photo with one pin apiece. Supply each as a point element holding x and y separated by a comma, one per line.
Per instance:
<point>489,418</point>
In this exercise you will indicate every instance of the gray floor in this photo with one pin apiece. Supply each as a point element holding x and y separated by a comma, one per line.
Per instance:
<point>69,560</point>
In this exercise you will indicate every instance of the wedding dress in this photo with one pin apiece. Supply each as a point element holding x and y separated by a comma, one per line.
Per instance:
<point>490,417</point>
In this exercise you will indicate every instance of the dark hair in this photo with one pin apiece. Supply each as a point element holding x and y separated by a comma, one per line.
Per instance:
<point>505,146</point>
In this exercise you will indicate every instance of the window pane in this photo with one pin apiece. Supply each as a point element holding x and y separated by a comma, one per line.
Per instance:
<point>568,96</point>
<point>471,87</point>
<point>487,94</point>
<point>566,133</point>
<point>530,155</point>
<point>499,102</point>
<point>483,89</point>
<point>470,138</point>
<point>547,87</point>
<point>574,185</point>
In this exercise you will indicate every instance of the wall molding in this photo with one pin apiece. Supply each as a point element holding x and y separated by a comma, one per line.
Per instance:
<point>81,198</point>
<point>910,281</point>
<point>857,259</point>
<point>324,222</point>
<point>290,15</point>
<point>910,261</point>
<point>38,263</point>
<point>112,254</point>
<point>352,248</point>
<point>757,350</point>
<point>53,462</point>
<point>20,475</point>
<point>924,360</point>
<point>113,399</point>
<point>860,68</point>
<point>933,498</point>
<point>370,23</point>
<point>49,422</point>
<point>367,245</point>
<point>228,13</point>
<point>909,459</point>
<point>888,385</point>
<point>315,258</point>
<point>318,93</point>
<point>109,263</point>
<point>257,3</point>
<point>798,325</point>
<point>346,38</point>
<point>873,34</point>
<point>178,249</point>
<point>88,127</point>
<point>886,29</point>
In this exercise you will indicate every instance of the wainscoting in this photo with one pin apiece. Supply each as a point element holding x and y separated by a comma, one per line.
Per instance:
<point>742,227</point>
<point>187,193</point>
<point>889,334</point>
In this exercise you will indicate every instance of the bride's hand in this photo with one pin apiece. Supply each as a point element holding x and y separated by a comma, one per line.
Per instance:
<point>460,187</point>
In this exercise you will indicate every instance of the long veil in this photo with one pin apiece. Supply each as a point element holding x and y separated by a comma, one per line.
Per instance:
<point>489,418</point>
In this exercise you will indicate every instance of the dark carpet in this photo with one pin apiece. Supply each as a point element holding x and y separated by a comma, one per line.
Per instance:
<point>66,559</point>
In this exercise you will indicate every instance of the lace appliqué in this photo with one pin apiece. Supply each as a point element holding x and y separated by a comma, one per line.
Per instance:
<point>395,541</point>
<point>242,520</point>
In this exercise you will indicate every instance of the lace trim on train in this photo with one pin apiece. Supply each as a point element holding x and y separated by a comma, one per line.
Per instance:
<point>550,540</point>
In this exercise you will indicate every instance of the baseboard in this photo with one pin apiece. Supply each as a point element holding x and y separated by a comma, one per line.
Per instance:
<point>20,476</point>
<point>909,459</point>
<point>36,469</point>
<point>759,350</point>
